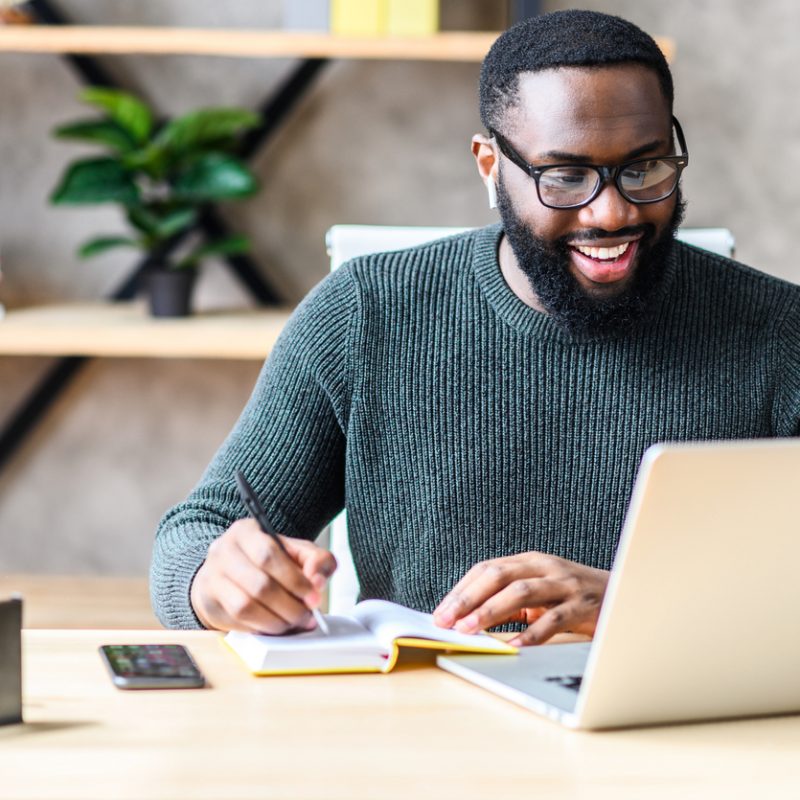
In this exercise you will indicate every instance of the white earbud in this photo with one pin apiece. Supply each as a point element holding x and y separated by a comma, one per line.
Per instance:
<point>491,190</point>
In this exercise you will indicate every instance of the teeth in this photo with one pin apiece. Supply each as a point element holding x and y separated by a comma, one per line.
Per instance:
<point>603,253</point>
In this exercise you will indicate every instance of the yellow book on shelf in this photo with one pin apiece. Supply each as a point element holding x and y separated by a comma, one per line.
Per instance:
<point>412,17</point>
<point>358,17</point>
<point>368,640</point>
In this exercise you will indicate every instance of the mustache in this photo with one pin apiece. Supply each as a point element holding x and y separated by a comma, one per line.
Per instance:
<point>645,230</point>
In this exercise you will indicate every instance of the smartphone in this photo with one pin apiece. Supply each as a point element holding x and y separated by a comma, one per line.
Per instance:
<point>151,666</point>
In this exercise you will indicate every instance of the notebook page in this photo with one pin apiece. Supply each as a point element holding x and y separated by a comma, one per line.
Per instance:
<point>389,621</point>
<point>347,644</point>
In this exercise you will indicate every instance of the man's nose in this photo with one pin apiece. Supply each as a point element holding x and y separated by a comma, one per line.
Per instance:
<point>609,211</point>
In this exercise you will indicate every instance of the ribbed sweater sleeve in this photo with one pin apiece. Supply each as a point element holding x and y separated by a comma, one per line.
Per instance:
<point>289,441</point>
<point>788,422</point>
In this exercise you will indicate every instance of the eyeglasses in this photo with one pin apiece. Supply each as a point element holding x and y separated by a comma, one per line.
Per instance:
<point>645,180</point>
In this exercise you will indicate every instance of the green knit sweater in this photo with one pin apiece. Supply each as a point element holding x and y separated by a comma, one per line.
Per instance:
<point>457,424</point>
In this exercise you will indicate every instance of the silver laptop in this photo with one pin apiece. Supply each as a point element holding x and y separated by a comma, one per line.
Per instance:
<point>701,619</point>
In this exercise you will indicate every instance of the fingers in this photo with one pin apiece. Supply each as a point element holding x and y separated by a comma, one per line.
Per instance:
<point>275,565</point>
<point>507,604</point>
<point>550,593</point>
<point>275,584</point>
<point>484,581</point>
<point>249,583</point>
<point>317,564</point>
<point>564,617</point>
<point>230,608</point>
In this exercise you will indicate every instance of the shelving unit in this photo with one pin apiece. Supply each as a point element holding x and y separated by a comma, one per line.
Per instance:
<point>444,46</point>
<point>125,330</point>
<point>76,331</point>
<point>465,46</point>
<point>106,329</point>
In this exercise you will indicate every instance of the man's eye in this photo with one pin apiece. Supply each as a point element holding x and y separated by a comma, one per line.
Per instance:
<point>647,173</point>
<point>565,178</point>
<point>635,177</point>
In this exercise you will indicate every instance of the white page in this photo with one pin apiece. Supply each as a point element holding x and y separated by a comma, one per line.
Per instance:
<point>344,632</point>
<point>389,621</point>
<point>348,644</point>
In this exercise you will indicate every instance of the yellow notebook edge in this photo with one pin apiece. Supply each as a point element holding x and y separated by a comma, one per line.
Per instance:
<point>403,641</point>
<point>504,649</point>
<point>498,647</point>
<point>317,671</point>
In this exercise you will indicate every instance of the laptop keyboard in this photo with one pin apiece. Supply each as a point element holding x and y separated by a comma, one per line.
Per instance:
<point>572,682</point>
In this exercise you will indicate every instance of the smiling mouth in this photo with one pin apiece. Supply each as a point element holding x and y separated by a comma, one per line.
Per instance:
<point>605,265</point>
<point>603,253</point>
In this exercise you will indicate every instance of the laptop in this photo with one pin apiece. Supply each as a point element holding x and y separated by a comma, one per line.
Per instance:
<point>700,618</point>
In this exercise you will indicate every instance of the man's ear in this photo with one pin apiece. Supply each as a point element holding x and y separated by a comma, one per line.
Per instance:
<point>483,148</point>
<point>486,158</point>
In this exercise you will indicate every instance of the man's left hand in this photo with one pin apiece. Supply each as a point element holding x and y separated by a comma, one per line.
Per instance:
<point>548,593</point>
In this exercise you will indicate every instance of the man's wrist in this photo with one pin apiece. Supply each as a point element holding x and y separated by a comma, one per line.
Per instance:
<point>195,604</point>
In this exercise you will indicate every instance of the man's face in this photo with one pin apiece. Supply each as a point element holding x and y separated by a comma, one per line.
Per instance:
<point>603,116</point>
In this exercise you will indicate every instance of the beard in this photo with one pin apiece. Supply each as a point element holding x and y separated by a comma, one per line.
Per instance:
<point>546,263</point>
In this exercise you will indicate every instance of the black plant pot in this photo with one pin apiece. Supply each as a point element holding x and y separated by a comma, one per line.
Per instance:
<point>170,292</point>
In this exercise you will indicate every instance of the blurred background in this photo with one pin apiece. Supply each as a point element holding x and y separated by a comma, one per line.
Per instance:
<point>372,142</point>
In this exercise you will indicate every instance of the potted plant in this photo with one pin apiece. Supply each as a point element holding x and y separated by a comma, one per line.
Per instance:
<point>162,176</point>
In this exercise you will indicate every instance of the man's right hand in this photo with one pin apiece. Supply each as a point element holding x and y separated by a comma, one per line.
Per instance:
<point>248,584</point>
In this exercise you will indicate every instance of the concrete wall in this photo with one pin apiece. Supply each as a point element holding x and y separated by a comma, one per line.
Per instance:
<point>371,143</point>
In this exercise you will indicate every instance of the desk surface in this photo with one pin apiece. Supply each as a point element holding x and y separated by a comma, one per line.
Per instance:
<point>417,732</point>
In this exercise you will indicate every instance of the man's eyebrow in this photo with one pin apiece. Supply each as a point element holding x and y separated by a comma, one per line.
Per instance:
<point>561,157</point>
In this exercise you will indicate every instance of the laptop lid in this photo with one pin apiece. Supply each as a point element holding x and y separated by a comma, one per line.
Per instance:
<point>700,616</point>
<point>698,621</point>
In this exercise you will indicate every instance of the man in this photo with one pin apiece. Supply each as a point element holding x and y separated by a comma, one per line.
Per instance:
<point>481,404</point>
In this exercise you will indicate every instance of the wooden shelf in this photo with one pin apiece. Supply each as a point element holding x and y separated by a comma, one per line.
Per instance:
<point>443,46</point>
<point>126,330</point>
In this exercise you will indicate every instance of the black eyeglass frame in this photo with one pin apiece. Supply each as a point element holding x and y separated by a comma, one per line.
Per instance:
<point>607,174</point>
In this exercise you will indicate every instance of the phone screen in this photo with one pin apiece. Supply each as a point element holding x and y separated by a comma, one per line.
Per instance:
<point>151,666</point>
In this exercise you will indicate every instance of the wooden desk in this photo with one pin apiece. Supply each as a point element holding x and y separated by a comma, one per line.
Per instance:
<point>415,733</point>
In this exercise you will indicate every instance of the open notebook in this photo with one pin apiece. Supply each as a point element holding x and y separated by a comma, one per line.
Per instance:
<point>368,640</point>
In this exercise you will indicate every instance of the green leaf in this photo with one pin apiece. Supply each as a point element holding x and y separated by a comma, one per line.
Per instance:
<point>130,113</point>
<point>143,220</point>
<point>176,221</point>
<point>151,160</point>
<point>205,127</point>
<point>98,131</point>
<point>103,243</point>
<point>215,176</point>
<point>232,245</point>
<point>96,180</point>
<point>187,136</point>
<point>161,224</point>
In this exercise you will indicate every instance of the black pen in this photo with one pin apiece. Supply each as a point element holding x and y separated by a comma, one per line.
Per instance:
<point>256,511</point>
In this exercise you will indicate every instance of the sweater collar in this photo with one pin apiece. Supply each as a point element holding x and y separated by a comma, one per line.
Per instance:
<point>535,323</point>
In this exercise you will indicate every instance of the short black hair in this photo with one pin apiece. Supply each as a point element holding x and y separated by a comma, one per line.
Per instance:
<point>563,39</point>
